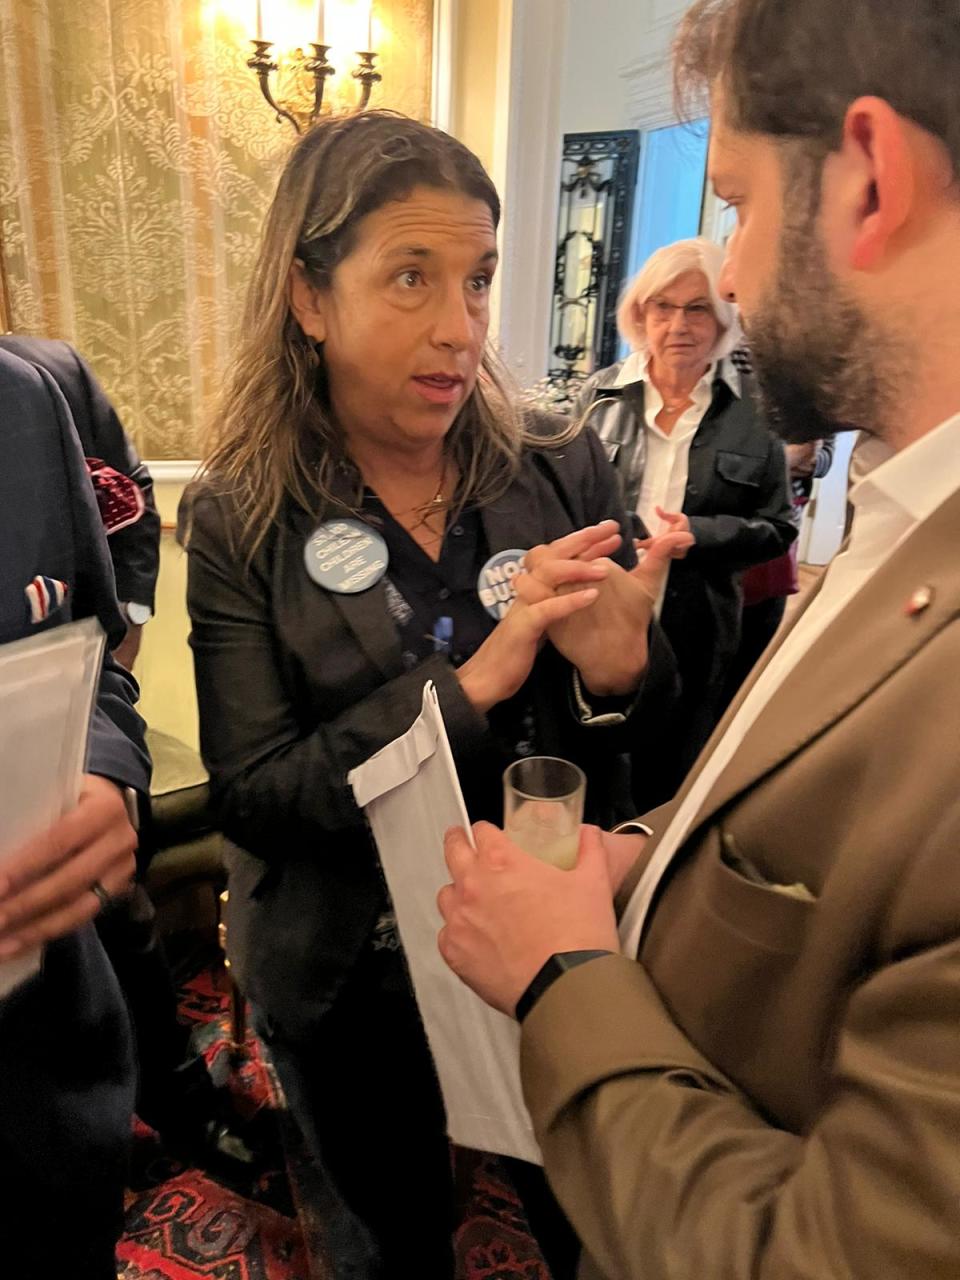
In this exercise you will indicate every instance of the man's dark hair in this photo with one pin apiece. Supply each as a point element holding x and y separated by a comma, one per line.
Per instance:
<point>791,68</point>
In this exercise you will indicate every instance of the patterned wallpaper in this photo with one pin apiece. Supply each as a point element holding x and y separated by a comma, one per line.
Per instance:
<point>137,159</point>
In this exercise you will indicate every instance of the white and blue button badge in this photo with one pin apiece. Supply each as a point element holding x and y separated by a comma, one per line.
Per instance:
<point>495,584</point>
<point>346,556</point>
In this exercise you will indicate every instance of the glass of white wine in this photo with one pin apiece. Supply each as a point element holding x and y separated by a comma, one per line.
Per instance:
<point>543,808</point>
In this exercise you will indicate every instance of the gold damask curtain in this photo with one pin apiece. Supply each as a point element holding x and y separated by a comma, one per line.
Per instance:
<point>137,159</point>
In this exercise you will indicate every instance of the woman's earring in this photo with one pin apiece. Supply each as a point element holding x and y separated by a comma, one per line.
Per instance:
<point>312,351</point>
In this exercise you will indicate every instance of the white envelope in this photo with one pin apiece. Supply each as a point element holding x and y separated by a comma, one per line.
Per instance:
<point>411,795</point>
<point>47,688</point>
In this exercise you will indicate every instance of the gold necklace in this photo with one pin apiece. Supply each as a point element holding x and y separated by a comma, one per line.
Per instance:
<point>427,511</point>
<point>428,505</point>
<point>438,500</point>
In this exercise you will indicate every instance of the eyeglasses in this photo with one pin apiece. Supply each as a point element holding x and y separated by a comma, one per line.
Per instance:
<point>694,312</point>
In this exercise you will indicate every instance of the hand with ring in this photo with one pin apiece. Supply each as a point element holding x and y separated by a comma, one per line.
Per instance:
<point>63,877</point>
<point>101,895</point>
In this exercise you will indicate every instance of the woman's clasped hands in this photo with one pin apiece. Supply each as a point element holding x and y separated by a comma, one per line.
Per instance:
<point>607,643</point>
<point>593,611</point>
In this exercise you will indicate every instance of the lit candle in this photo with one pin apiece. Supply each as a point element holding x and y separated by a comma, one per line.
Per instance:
<point>320,39</point>
<point>259,21</point>
<point>369,48</point>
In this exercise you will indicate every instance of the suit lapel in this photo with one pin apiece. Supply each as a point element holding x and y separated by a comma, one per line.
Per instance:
<point>515,519</point>
<point>367,616</point>
<point>866,644</point>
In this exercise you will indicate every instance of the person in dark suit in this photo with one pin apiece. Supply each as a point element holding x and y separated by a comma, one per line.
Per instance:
<point>66,1061</point>
<point>361,393</point>
<point>175,1094</point>
<point>134,549</point>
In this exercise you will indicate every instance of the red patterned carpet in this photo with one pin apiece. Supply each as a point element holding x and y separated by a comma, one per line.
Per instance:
<point>182,1224</point>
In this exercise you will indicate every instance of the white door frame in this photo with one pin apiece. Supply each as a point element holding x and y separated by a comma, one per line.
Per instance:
<point>526,164</point>
<point>445,14</point>
<point>528,161</point>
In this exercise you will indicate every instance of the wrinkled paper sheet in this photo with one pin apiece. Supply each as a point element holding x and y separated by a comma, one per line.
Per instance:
<point>411,795</point>
<point>48,684</point>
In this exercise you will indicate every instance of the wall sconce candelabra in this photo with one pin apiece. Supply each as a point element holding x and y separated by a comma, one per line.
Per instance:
<point>315,65</point>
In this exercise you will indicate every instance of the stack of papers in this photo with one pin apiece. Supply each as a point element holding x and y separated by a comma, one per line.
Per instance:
<point>411,795</point>
<point>47,688</point>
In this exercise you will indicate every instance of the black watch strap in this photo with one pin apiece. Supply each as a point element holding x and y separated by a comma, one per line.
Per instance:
<point>558,964</point>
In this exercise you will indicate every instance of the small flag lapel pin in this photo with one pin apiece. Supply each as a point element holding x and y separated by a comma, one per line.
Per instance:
<point>919,602</point>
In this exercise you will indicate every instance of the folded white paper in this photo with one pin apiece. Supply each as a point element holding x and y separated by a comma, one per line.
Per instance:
<point>411,795</point>
<point>47,688</point>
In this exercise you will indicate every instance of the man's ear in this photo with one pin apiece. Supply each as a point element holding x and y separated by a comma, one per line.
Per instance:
<point>882,178</point>
<point>306,303</point>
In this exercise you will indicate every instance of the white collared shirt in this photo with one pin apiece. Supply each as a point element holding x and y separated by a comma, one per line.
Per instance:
<point>889,503</point>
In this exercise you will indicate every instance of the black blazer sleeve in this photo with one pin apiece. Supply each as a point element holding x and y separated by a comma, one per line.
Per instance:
<point>117,747</point>
<point>735,542</point>
<point>273,783</point>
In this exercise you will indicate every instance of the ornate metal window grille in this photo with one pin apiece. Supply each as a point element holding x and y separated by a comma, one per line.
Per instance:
<point>597,184</point>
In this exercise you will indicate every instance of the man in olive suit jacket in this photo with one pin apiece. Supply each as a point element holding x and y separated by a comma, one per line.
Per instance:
<point>765,1084</point>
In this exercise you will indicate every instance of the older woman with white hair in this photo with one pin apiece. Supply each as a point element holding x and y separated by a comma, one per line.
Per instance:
<point>680,424</point>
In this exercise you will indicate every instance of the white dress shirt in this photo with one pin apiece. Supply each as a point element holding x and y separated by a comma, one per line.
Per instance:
<point>889,503</point>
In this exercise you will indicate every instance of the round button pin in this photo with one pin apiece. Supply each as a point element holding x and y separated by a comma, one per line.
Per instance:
<point>346,556</point>
<point>495,584</point>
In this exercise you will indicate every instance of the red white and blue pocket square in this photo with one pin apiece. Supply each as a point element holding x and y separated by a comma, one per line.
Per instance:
<point>44,597</point>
